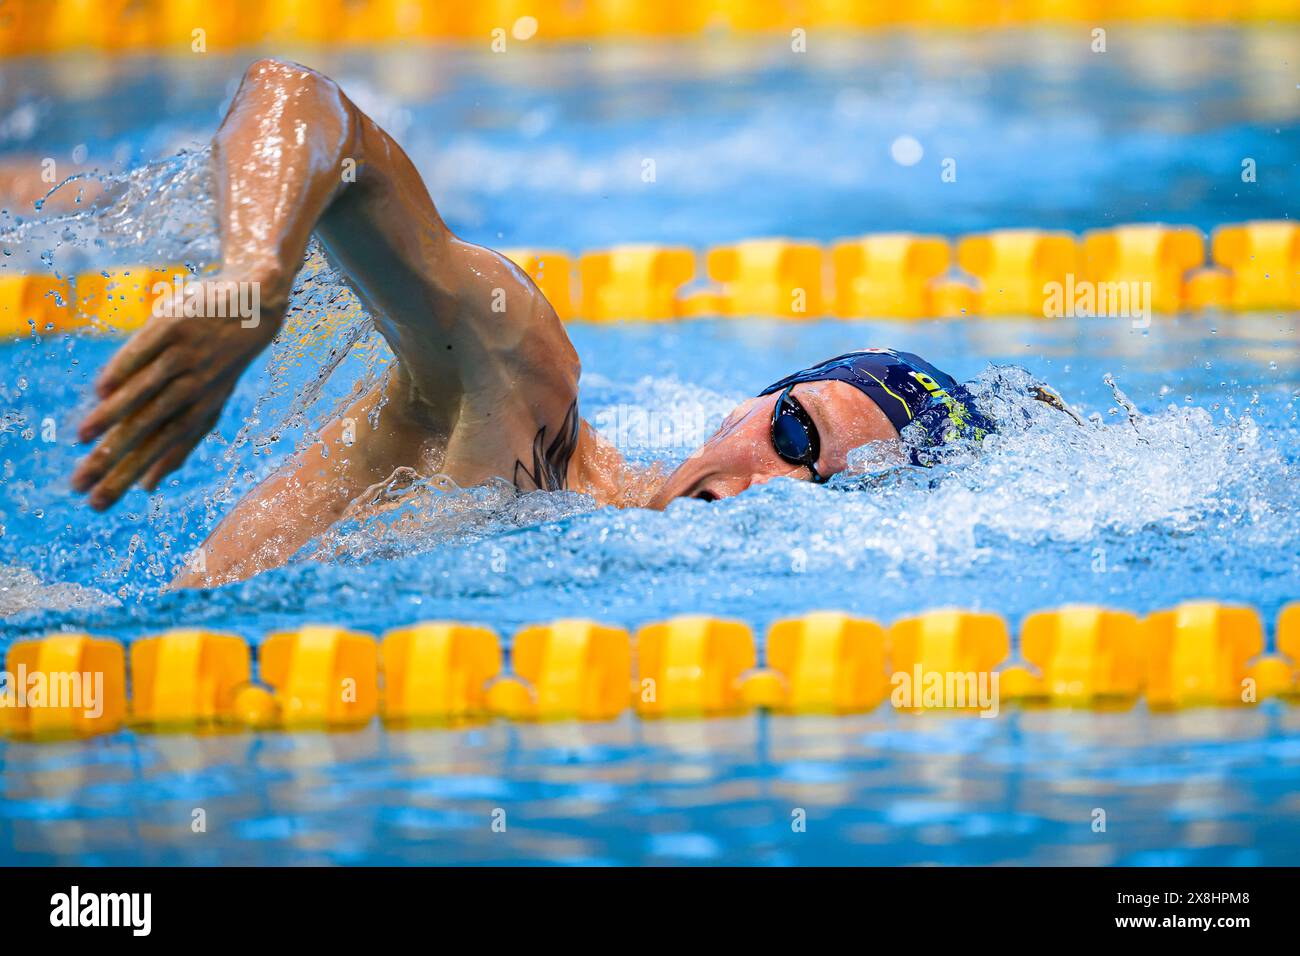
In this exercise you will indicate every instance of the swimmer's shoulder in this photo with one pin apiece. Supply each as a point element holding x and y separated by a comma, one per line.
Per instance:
<point>485,330</point>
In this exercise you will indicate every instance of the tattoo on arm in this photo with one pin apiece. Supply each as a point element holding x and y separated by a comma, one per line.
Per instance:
<point>550,470</point>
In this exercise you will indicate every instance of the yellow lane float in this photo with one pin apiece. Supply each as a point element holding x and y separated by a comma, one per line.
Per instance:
<point>552,272</point>
<point>889,275</point>
<point>1197,654</point>
<point>769,277</point>
<point>1007,272</point>
<point>633,282</point>
<point>64,685</point>
<point>1264,261</point>
<point>1013,267</point>
<point>692,665</point>
<point>187,678</point>
<point>438,670</point>
<point>945,659</point>
<point>1086,656</point>
<point>568,669</point>
<point>826,662</point>
<point>1201,653</point>
<point>319,676</point>
<point>1154,257</point>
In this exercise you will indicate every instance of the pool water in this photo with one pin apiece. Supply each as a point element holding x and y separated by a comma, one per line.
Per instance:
<point>1197,498</point>
<point>1193,494</point>
<point>1205,787</point>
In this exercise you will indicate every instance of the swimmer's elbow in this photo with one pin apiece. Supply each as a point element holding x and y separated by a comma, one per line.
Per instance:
<point>329,116</point>
<point>293,79</point>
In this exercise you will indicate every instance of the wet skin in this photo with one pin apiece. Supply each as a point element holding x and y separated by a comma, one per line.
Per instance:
<point>485,381</point>
<point>741,454</point>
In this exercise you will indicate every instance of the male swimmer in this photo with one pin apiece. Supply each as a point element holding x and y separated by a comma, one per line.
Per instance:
<point>477,392</point>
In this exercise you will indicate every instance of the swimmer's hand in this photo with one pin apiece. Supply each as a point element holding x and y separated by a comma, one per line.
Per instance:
<point>162,393</point>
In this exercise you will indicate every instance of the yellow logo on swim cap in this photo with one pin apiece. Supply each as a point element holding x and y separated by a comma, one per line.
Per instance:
<point>956,410</point>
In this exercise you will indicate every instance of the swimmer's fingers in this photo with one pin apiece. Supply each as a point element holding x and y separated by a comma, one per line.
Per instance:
<point>132,465</point>
<point>126,400</point>
<point>176,455</point>
<point>163,467</point>
<point>140,349</point>
<point>137,429</point>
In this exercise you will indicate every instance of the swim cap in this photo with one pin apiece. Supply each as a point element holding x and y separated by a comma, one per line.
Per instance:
<point>906,388</point>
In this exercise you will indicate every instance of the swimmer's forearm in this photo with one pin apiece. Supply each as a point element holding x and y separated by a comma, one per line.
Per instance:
<point>278,160</point>
<point>287,147</point>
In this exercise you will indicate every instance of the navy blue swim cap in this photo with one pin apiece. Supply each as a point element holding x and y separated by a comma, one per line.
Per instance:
<point>906,388</point>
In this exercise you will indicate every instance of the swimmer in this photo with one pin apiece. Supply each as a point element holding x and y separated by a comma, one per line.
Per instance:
<point>485,383</point>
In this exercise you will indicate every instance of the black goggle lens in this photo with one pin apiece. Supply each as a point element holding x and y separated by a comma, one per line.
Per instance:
<point>791,438</point>
<point>794,435</point>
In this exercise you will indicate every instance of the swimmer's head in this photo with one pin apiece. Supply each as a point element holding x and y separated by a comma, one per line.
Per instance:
<point>744,453</point>
<point>805,425</point>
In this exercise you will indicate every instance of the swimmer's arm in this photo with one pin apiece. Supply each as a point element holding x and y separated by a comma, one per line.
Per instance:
<point>294,155</point>
<point>308,494</point>
<point>274,171</point>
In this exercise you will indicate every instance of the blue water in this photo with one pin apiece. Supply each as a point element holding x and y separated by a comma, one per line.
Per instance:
<point>1208,787</point>
<point>544,146</point>
<point>1202,501</point>
<point>1196,496</point>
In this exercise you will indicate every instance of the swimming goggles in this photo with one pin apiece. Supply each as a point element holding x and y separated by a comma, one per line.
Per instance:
<point>794,436</point>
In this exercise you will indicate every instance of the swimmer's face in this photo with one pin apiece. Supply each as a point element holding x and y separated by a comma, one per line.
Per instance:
<point>741,453</point>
